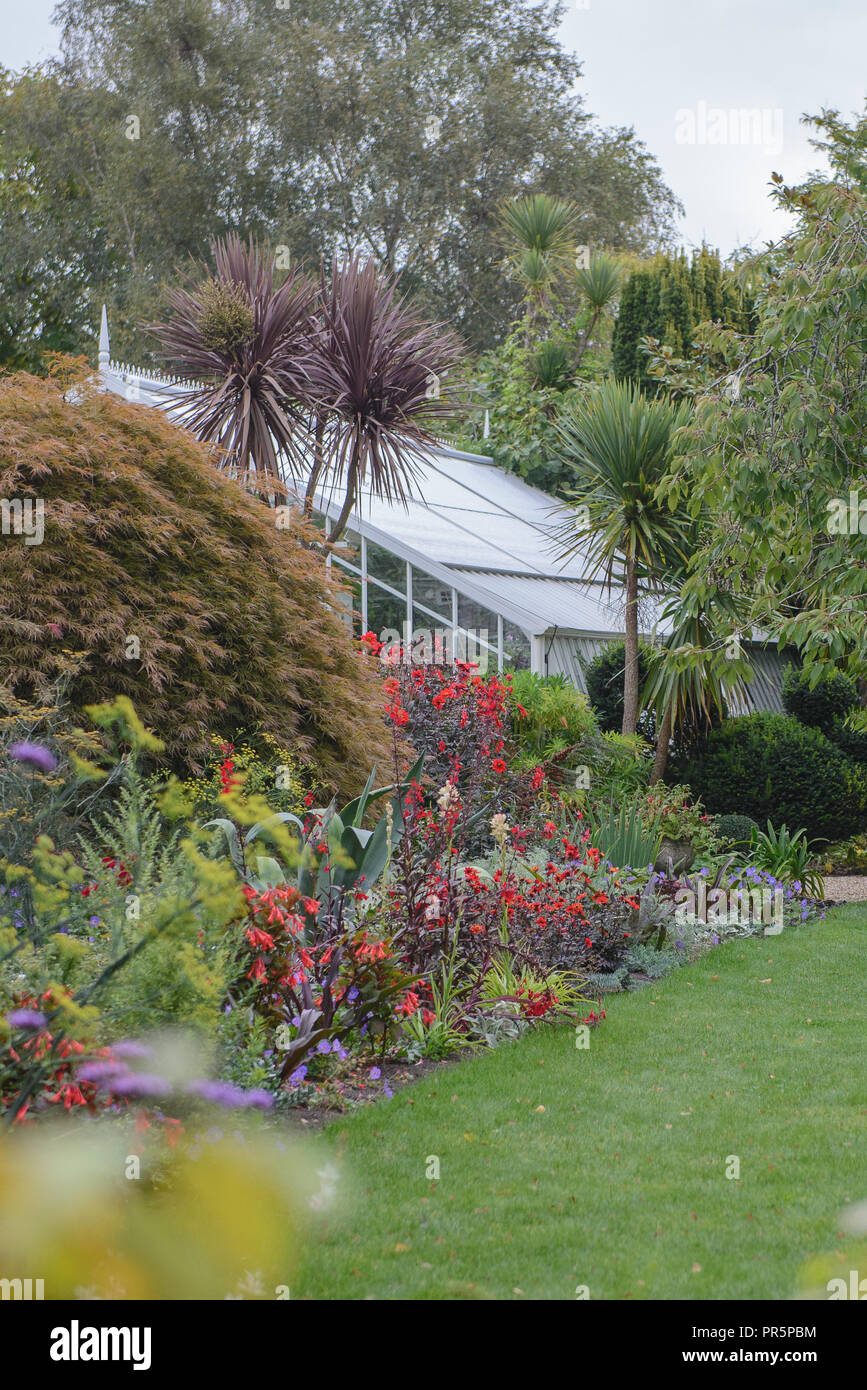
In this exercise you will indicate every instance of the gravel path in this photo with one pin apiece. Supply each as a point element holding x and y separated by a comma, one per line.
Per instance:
<point>846,888</point>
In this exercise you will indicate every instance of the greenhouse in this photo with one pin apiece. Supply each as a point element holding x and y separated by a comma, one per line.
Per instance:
<point>467,568</point>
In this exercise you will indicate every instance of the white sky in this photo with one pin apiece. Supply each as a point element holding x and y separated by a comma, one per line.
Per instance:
<point>650,63</point>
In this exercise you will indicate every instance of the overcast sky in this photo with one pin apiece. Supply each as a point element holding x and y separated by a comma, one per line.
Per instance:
<point>714,88</point>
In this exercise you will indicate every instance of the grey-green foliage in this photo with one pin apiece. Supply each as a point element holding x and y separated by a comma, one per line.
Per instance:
<point>623,835</point>
<point>646,960</point>
<point>611,982</point>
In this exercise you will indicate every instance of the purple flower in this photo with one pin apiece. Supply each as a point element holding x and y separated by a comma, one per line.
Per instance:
<point>140,1084</point>
<point>387,1091</point>
<point>323,1045</point>
<point>35,754</point>
<point>261,1100</point>
<point>219,1092</point>
<point>131,1049</point>
<point>298,1076</point>
<point>375,1073</point>
<point>26,1018</point>
<point>93,921</point>
<point>102,1071</point>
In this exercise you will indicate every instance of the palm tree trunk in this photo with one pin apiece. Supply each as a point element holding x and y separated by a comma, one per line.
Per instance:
<point>662,741</point>
<point>318,464</point>
<point>351,489</point>
<point>585,342</point>
<point>630,674</point>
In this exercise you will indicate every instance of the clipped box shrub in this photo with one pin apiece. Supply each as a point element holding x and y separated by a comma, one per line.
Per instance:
<point>158,578</point>
<point>771,767</point>
<point>852,742</point>
<point>734,830</point>
<point>823,706</point>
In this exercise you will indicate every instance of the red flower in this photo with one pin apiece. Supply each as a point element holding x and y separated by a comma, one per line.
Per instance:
<point>498,765</point>
<point>260,939</point>
<point>228,780</point>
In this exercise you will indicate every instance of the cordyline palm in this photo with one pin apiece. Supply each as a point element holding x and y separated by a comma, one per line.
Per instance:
<point>376,374</point>
<point>539,231</point>
<point>692,676</point>
<point>599,283</point>
<point>619,444</point>
<point>241,340</point>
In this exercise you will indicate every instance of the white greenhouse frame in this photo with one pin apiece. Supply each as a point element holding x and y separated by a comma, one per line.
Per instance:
<point>487,538</point>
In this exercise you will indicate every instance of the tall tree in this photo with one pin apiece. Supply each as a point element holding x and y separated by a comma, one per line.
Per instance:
<point>667,300</point>
<point>390,128</point>
<point>619,445</point>
<point>779,460</point>
<point>339,385</point>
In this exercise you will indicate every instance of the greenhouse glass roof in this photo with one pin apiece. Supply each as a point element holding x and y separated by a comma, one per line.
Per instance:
<point>487,538</point>
<point>468,523</point>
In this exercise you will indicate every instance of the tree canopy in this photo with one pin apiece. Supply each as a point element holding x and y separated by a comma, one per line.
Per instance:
<point>667,300</point>
<point>391,128</point>
<point>158,578</point>
<point>775,456</point>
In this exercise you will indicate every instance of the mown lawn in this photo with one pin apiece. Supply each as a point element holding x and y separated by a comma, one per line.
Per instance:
<point>619,1183</point>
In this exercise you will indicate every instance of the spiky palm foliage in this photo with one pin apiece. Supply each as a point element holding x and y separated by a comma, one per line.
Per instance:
<point>618,445</point>
<point>376,373</point>
<point>539,232</point>
<point>540,222</point>
<point>600,284</point>
<point>692,675</point>
<point>240,339</point>
<point>552,365</point>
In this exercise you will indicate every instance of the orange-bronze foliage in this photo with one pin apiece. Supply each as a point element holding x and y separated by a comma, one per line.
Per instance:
<point>238,623</point>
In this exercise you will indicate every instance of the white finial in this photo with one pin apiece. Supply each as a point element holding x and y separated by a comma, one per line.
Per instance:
<point>487,429</point>
<point>104,346</point>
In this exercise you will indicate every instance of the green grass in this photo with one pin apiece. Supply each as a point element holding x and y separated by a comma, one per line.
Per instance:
<point>757,1050</point>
